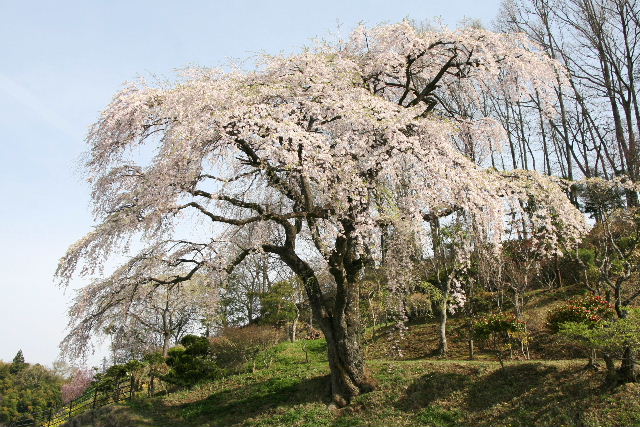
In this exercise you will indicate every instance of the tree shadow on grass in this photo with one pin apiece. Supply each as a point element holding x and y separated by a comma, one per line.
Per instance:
<point>235,405</point>
<point>530,394</point>
<point>503,385</point>
<point>520,394</point>
<point>432,387</point>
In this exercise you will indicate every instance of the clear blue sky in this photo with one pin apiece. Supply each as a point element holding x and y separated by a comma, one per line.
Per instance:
<point>60,63</point>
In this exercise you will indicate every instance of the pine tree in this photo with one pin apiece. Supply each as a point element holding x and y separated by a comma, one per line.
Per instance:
<point>18,362</point>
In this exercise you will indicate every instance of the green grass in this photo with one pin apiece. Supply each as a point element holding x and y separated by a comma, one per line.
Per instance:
<point>409,393</point>
<point>290,387</point>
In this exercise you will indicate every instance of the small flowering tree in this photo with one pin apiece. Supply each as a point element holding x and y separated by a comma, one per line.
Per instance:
<point>76,386</point>
<point>499,332</point>
<point>315,158</point>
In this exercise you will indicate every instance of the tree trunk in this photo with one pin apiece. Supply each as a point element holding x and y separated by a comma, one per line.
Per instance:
<point>612,374</point>
<point>629,369</point>
<point>591,363</point>
<point>152,385</point>
<point>293,330</point>
<point>339,320</point>
<point>346,361</point>
<point>443,349</point>
<point>374,319</point>
<point>343,329</point>
<point>166,342</point>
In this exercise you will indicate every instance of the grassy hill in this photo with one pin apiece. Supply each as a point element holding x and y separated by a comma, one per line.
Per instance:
<point>418,390</point>
<point>409,393</point>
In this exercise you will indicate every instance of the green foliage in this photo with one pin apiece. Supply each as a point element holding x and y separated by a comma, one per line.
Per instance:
<point>587,256</point>
<point>108,380</point>
<point>611,335</point>
<point>600,199</point>
<point>420,303</point>
<point>430,290</point>
<point>574,267</point>
<point>374,298</point>
<point>134,366</point>
<point>419,306</point>
<point>588,310</point>
<point>18,363</point>
<point>30,389</point>
<point>191,362</point>
<point>156,364</point>
<point>278,305</point>
<point>498,325</point>
<point>485,302</point>
<point>500,331</point>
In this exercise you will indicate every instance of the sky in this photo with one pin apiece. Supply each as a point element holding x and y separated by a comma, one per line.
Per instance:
<point>60,64</point>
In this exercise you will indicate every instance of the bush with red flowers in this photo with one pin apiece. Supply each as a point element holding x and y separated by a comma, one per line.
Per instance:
<point>589,309</point>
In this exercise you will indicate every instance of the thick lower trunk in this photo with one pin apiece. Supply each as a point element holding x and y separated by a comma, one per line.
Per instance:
<point>337,316</point>
<point>346,362</point>
<point>629,368</point>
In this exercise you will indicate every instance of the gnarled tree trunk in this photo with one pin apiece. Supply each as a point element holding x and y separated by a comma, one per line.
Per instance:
<point>338,316</point>
<point>346,360</point>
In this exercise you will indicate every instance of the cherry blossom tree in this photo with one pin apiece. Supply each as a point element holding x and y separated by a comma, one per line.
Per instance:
<point>79,382</point>
<point>314,158</point>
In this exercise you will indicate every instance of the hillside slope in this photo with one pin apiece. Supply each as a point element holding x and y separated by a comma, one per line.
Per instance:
<point>409,393</point>
<point>415,389</point>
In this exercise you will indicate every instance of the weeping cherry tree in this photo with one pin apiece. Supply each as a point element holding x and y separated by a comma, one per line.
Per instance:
<point>314,158</point>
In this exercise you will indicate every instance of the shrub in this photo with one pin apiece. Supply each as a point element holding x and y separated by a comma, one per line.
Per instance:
<point>239,346</point>
<point>421,302</point>
<point>191,362</point>
<point>498,325</point>
<point>157,368</point>
<point>500,331</point>
<point>589,310</point>
<point>111,378</point>
<point>611,335</point>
